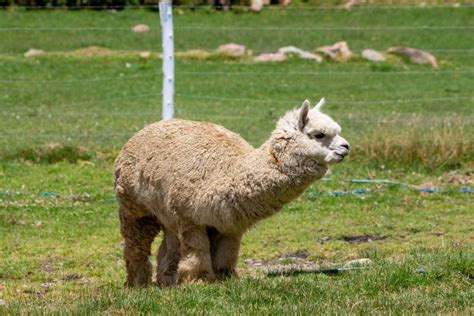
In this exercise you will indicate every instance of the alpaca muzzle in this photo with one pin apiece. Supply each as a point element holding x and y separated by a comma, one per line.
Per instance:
<point>342,148</point>
<point>343,151</point>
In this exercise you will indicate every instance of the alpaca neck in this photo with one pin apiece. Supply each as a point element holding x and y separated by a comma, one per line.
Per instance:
<point>271,178</point>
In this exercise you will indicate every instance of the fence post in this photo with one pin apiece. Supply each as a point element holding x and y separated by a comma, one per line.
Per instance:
<point>166,19</point>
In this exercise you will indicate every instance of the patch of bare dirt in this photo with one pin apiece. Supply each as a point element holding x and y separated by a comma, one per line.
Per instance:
<point>72,277</point>
<point>294,255</point>
<point>426,186</point>
<point>458,178</point>
<point>45,267</point>
<point>299,264</point>
<point>358,239</point>
<point>324,240</point>
<point>286,264</point>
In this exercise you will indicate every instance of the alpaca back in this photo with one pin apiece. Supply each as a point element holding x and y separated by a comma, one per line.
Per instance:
<point>168,163</point>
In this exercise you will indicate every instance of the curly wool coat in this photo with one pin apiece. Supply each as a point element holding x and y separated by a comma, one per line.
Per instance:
<point>204,186</point>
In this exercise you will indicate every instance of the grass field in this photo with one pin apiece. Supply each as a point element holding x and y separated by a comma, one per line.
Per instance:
<point>65,116</point>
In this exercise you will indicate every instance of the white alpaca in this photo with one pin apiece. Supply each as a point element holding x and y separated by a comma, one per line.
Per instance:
<point>204,186</point>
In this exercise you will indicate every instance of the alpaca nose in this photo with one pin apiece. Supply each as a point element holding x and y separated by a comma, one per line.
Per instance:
<point>346,146</point>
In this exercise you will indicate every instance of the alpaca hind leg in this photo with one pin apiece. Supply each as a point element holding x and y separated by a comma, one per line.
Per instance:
<point>225,252</point>
<point>167,260</point>
<point>195,263</point>
<point>138,234</point>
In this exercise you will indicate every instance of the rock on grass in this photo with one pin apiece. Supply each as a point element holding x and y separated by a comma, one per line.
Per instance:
<point>32,52</point>
<point>256,5</point>
<point>270,57</point>
<point>415,56</point>
<point>140,28</point>
<point>292,50</point>
<point>232,50</point>
<point>349,5</point>
<point>372,55</point>
<point>338,51</point>
<point>144,54</point>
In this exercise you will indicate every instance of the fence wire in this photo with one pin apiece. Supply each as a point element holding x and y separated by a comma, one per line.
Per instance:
<point>423,6</point>
<point>252,28</point>
<point>248,73</point>
<point>295,102</point>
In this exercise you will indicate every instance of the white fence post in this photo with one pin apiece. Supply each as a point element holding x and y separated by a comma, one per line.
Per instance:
<point>166,18</point>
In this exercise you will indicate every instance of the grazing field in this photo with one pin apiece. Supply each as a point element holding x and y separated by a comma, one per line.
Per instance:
<point>66,114</point>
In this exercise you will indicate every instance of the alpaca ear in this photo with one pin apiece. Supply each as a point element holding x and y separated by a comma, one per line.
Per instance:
<point>303,118</point>
<point>320,104</point>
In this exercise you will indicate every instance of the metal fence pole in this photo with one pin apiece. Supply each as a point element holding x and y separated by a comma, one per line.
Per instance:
<point>166,19</point>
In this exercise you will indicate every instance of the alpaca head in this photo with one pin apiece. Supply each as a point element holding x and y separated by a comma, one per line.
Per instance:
<point>314,135</point>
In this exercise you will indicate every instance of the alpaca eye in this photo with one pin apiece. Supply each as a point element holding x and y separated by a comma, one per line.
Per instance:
<point>319,135</point>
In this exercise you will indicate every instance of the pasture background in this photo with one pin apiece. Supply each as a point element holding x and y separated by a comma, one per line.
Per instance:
<point>66,114</point>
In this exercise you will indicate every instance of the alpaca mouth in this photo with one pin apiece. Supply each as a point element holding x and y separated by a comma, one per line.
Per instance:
<point>340,155</point>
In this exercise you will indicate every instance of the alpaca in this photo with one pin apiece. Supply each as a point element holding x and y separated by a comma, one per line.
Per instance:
<point>204,186</point>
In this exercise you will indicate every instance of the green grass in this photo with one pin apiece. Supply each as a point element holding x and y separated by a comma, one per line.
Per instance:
<point>247,98</point>
<point>63,119</point>
<point>387,287</point>
<point>265,31</point>
<point>64,253</point>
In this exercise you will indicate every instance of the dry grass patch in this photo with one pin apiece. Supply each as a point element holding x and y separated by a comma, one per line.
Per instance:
<point>437,147</point>
<point>50,153</point>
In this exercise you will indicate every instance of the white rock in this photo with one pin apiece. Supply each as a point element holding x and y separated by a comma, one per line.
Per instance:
<point>287,50</point>
<point>145,54</point>
<point>34,52</point>
<point>372,55</point>
<point>338,51</point>
<point>266,57</point>
<point>256,5</point>
<point>352,4</point>
<point>358,262</point>
<point>140,28</point>
<point>232,50</point>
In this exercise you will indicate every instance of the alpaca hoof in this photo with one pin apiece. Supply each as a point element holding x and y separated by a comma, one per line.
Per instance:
<point>167,281</point>
<point>226,273</point>
<point>136,285</point>
<point>207,276</point>
<point>138,274</point>
<point>197,277</point>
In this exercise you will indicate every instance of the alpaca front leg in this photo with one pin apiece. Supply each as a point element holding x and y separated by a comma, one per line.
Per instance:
<point>195,263</point>
<point>225,252</point>
<point>167,260</point>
